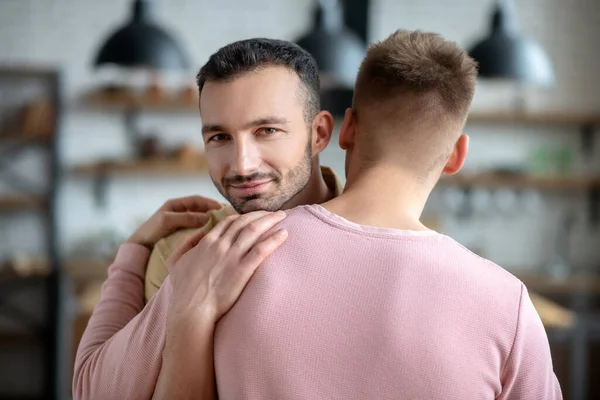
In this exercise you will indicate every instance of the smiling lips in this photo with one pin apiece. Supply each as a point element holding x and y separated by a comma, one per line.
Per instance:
<point>249,188</point>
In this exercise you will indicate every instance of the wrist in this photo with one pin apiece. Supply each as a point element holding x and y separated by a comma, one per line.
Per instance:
<point>187,370</point>
<point>187,328</point>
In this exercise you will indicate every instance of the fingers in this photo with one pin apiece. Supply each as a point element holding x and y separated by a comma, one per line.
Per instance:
<point>251,231</point>
<point>224,226</point>
<point>263,249</point>
<point>176,220</point>
<point>229,236</point>
<point>236,275</point>
<point>189,243</point>
<point>191,203</point>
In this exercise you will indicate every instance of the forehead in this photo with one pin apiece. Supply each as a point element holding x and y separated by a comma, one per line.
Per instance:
<point>271,91</point>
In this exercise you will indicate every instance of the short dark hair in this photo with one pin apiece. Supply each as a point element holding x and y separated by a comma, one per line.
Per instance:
<point>244,56</point>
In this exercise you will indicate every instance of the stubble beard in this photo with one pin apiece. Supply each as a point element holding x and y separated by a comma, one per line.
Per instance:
<point>285,189</point>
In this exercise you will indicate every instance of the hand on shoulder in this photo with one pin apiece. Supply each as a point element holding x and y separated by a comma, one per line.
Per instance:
<point>175,214</point>
<point>210,271</point>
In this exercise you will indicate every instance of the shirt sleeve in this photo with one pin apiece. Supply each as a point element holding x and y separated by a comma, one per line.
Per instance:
<point>157,271</point>
<point>528,373</point>
<point>120,353</point>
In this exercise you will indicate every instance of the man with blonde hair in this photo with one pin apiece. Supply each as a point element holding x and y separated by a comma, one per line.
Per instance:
<point>362,301</point>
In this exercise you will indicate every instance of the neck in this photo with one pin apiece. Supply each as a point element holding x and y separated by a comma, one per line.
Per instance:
<point>384,196</point>
<point>315,192</point>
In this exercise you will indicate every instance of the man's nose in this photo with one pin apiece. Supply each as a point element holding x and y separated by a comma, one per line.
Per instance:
<point>247,158</point>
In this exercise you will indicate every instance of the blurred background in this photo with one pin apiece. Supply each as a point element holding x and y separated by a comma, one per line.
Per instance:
<point>99,126</point>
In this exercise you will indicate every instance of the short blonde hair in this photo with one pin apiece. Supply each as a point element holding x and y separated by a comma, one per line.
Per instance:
<point>416,81</point>
<point>418,63</point>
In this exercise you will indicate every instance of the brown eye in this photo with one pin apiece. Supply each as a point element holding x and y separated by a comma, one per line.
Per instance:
<point>269,131</point>
<point>218,138</point>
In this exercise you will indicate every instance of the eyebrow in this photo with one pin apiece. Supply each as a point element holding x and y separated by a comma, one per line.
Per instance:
<point>257,122</point>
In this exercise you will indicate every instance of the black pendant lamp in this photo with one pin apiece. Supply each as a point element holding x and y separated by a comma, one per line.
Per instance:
<point>505,54</point>
<point>141,43</point>
<point>338,50</point>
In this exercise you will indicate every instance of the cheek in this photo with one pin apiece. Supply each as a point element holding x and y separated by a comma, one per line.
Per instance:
<point>216,164</point>
<point>284,155</point>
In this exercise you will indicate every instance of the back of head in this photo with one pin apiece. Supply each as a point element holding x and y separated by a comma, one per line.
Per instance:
<point>411,100</point>
<point>249,55</point>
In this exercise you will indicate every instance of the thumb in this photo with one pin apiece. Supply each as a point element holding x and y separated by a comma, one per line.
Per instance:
<point>189,243</point>
<point>177,220</point>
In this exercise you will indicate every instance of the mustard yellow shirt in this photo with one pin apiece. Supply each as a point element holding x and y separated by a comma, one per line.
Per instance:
<point>156,270</point>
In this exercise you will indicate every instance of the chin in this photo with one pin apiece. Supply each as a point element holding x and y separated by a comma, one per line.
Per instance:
<point>246,206</point>
<point>249,205</point>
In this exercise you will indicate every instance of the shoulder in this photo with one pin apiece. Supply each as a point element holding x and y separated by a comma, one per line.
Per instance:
<point>481,270</point>
<point>170,243</point>
<point>494,270</point>
<point>491,293</point>
<point>300,214</point>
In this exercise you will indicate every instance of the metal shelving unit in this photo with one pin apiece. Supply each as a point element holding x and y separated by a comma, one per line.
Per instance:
<point>37,343</point>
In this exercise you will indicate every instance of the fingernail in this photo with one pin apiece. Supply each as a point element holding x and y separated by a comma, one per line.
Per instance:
<point>280,213</point>
<point>282,233</point>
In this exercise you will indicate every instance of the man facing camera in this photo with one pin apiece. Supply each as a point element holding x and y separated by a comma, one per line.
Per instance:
<point>263,131</point>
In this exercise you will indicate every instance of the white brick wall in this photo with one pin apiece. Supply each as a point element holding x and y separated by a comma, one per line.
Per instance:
<point>67,33</point>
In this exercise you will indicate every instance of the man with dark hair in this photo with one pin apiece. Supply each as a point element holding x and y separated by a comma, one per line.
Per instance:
<point>263,131</point>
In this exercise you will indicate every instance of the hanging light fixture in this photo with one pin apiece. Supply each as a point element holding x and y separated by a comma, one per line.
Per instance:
<point>338,50</point>
<point>141,43</point>
<point>505,54</point>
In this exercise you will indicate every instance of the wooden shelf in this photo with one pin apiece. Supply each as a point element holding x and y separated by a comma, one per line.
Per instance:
<point>80,270</point>
<point>20,203</point>
<point>84,270</point>
<point>119,101</point>
<point>540,118</point>
<point>88,276</point>
<point>27,70</point>
<point>518,181</point>
<point>29,138</point>
<point>572,284</point>
<point>24,268</point>
<point>552,314</point>
<point>142,167</point>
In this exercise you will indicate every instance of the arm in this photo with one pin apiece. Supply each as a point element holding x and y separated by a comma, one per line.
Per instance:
<point>156,270</point>
<point>188,357</point>
<point>120,353</point>
<point>528,373</point>
<point>208,275</point>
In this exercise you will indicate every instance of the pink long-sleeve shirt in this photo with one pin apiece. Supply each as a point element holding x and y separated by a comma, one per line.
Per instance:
<point>346,311</point>
<point>120,352</point>
<point>361,312</point>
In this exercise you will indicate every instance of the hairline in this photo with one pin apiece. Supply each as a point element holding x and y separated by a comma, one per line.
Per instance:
<point>303,91</point>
